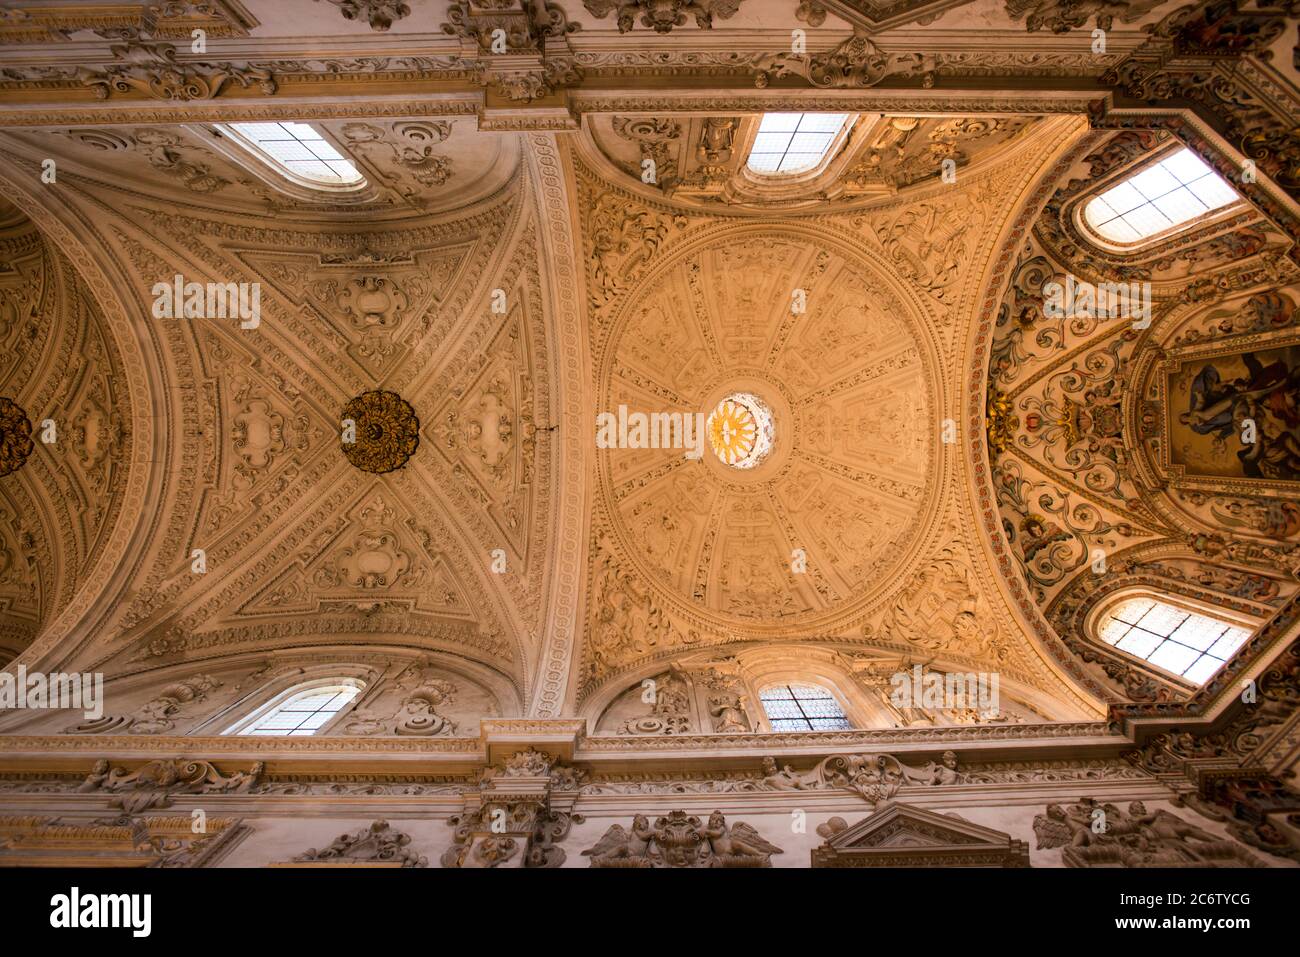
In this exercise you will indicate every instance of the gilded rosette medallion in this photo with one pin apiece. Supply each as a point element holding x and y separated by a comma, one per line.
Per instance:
<point>384,430</point>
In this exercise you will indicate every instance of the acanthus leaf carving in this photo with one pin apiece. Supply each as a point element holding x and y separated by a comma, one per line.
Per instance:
<point>155,70</point>
<point>155,784</point>
<point>875,777</point>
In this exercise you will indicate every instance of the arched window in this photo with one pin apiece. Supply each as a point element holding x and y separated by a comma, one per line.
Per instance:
<point>299,152</point>
<point>301,710</point>
<point>1165,196</point>
<point>792,707</point>
<point>789,143</point>
<point>1189,644</point>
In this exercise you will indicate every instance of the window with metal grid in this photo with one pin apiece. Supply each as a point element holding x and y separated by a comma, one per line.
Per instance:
<point>1191,645</point>
<point>802,708</point>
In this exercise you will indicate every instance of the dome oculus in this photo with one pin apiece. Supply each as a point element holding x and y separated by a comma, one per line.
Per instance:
<point>740,430</point>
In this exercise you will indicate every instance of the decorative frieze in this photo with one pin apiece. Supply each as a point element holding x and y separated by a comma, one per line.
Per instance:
<point>156,71</point>
<point>126,841</point>
<point>856,63</point>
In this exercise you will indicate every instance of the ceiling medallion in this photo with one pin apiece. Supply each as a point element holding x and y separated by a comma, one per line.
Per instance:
<point>740,430</point>
<point>385,430</point>
<point>15,436</point>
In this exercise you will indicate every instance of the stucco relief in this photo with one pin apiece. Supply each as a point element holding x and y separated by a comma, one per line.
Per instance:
<point>1092,421</point>
<point>840,380</point>
<point>268,425</point>
<point>687,555</point>
<point>67,438</point>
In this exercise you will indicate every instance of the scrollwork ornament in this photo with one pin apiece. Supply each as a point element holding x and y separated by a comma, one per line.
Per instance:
<point>380,14</point>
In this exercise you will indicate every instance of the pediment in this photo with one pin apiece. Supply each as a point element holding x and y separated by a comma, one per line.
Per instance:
<point>901,835</point>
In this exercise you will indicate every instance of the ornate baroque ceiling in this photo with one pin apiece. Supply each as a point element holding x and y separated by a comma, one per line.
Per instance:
<point>944,461</point>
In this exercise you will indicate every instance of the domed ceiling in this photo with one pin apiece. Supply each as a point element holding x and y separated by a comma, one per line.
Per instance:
<point>832,333</point>
<point>810,533</point>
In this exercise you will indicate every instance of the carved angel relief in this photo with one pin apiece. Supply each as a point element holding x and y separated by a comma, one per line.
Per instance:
<point>682,840</point>
<point>1104,835</point>
<point>928,244</point>
<point>622,237</point>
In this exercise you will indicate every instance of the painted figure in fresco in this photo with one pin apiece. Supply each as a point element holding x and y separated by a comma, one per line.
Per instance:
<point>1270,396</point>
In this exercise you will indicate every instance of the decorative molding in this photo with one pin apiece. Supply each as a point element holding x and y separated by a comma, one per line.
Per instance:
<point>856,63</point>
<point>155,784</point>
<point>155,70</point>
<point>126,841</point>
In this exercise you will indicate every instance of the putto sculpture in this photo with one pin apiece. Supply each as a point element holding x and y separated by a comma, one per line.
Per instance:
<point>682,840</point>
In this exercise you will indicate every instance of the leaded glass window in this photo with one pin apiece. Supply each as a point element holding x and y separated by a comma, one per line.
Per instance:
<point>304,712</point>
<point>1191,645</point>
<point>802,708</point>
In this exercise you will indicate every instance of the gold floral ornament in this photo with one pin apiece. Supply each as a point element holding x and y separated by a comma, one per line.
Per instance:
<point>1000,421</point>
<point>385,431</point>
<point>740,430</point>
<point>15,436</point>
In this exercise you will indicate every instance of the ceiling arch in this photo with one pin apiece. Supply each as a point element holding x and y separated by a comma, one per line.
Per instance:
<point>1086,441</point>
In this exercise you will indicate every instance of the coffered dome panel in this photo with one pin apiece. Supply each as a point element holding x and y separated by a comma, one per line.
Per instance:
<point>806,368</point>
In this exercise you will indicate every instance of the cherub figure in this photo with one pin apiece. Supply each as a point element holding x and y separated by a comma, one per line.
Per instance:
<point>736,840</point>
<point>619,843</point>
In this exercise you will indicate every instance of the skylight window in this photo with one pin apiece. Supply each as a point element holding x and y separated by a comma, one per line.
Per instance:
<point>303,712</point>
<point>802,708</point>
<point>794,142</point>
<point>1172,193</point>
<point>1190,645</point>
<point>299,150</point>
